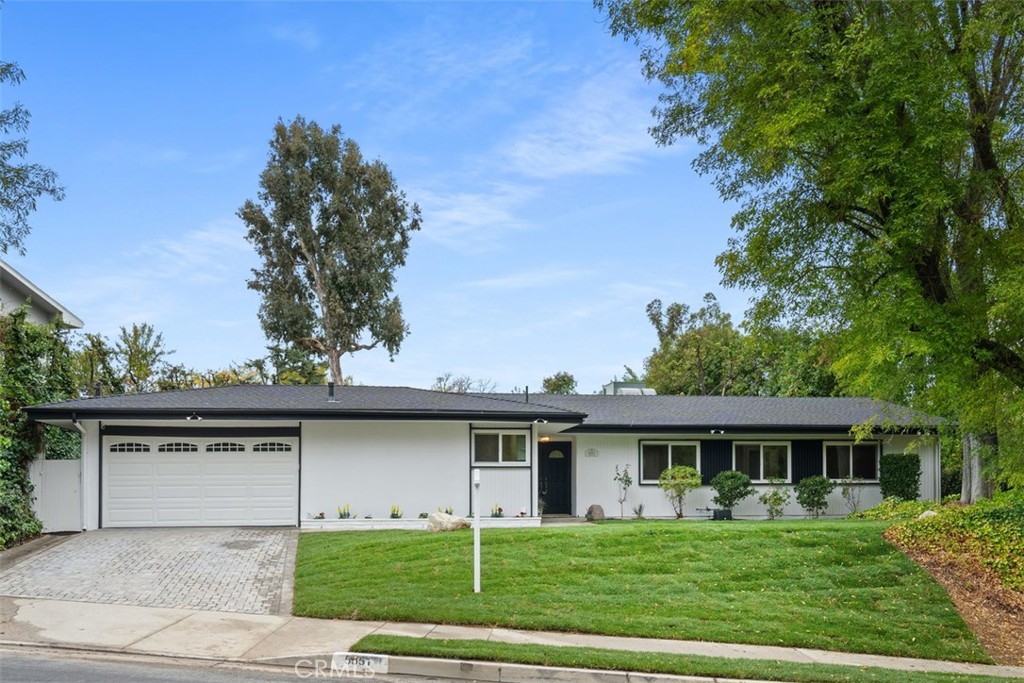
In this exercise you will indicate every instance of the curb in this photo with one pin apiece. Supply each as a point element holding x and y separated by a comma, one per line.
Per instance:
<point>501,672</point>
<point>427,667</point>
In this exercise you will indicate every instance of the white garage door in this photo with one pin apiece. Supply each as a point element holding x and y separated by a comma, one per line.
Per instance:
<point>175,481</point>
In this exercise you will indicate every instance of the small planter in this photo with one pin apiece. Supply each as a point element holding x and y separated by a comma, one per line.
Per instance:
<point>721,514</point>
<point>357,524</point>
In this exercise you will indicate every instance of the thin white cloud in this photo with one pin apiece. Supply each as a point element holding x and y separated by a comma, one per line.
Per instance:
<point>301,35</point>
<point>472,222</point>
<point>164,278</point>
<point>600,127</point>
<point>532,279</point>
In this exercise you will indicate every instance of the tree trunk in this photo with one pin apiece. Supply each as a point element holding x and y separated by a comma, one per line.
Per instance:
<point>973,486</point>
<point>334,366</point>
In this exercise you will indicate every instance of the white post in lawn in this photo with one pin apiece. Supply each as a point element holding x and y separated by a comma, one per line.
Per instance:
<point>476,530</point>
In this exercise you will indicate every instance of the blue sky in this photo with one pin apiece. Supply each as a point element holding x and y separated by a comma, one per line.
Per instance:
<point>550,216</point>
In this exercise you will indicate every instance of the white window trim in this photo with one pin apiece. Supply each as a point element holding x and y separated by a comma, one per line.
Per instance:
<point>502,463</point>
<point>761,445</point>
<point>664,442</point>
<point>851,444</point>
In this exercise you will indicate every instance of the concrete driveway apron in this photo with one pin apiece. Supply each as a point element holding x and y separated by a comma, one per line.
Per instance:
<point>226,570</point>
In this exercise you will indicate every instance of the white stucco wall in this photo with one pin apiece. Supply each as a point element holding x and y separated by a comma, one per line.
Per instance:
<point>593,476</point>
<point>90,475</point>
<point>418,466</point>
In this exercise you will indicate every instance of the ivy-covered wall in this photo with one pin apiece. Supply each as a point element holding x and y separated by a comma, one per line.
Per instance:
<point>35,367</point>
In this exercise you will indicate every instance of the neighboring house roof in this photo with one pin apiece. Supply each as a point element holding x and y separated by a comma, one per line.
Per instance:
<point>729,413</point>
<point>588,413</point>
<point>308,402</point>
<point>15,289</point>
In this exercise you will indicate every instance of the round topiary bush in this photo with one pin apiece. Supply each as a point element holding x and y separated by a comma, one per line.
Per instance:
<point>812,494</point>
<point>730,488</point>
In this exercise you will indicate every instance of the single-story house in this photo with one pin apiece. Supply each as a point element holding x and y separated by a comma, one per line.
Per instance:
<point>282,455</point>
<point>17,290</point>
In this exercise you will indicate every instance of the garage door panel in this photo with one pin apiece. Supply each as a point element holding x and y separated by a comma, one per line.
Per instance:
<point>227,491</point>
<point>269,492</point>
<point>178,515</point>
<point>191,493</point>
<point>273,468</point>
<point>179,469</point>
<point>231,515</point>
<point>128,516</point>
<point>199,488</point>
<point>227,469</point>
<point>130,469</point>
<point>131,492</point>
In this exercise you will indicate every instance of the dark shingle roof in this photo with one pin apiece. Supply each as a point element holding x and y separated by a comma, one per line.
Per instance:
<point>306,402</point>
<point>749,413</point>
<point>595,413</point>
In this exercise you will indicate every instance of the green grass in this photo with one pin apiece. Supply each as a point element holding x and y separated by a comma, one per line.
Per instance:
<point>648,662</point>
<point>834,585</point>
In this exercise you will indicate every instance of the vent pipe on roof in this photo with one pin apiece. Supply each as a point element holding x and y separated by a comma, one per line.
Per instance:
<point>97,390</point>
<point>330,392</point>
<point>527,394</point>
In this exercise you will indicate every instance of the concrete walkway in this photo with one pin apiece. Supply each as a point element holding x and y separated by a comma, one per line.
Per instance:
<point>267,639</point>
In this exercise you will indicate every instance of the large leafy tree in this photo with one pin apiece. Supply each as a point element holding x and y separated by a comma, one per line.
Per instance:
<point>559,383</point>
<point>141,356</point>
<point>21,184</point>
<point>331,229</point>
<point>699,353</point>
<point>702,353</point>
<point>876,151</point>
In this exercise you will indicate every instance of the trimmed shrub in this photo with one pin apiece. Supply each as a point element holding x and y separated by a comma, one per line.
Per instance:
<point>731,487</point>
<point>775,498</point>
<point>812,494</point>
<point>676,482</point>
<point>899,474</point>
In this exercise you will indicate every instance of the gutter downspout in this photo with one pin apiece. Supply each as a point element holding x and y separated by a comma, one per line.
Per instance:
<point>81,469</point>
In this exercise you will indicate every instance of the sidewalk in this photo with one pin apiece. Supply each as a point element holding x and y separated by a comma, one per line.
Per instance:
<point>268,639</point>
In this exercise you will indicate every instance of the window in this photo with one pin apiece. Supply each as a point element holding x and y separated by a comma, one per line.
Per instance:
<point>177,447</point>
<point>225,447</point>
<point>762,461</point>
<point>658,456</point>
<point>856,460</point>
<point>499,447</point>
<point>272,447</point>
<point>129,447</point>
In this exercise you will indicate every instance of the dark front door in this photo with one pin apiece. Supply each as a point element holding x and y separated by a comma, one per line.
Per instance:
<point>556,477</point>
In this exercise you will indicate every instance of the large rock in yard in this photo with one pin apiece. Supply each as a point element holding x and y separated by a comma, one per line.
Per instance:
<point>595,513</point>
<point>928,513</point>
<point>439,521</point>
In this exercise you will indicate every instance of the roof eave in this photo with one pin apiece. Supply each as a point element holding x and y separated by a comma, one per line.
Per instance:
<point>41,414</point>
<point>725,430</point>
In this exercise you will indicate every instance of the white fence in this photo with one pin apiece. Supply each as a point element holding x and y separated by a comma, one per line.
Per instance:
<point>58,493</point>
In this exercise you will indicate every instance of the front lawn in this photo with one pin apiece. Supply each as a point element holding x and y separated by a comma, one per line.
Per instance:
<point>834,585</point>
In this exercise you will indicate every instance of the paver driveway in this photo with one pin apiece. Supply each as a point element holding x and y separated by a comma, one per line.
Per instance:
<point>226,570</point>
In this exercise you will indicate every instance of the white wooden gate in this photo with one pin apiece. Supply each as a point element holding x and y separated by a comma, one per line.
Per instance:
<point>58,493</point>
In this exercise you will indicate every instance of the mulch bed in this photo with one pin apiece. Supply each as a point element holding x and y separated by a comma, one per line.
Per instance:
<point>995,613</point>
